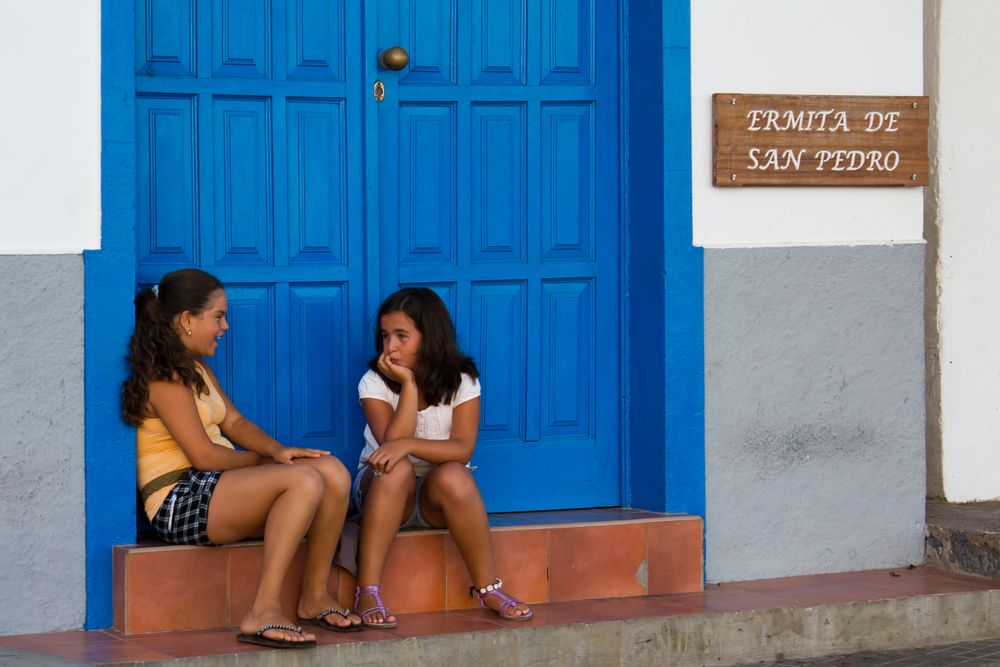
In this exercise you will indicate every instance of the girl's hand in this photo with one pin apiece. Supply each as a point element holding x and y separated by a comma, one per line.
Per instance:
<point>287,454</point>
<point>395,372</point>
<point>385,457</point>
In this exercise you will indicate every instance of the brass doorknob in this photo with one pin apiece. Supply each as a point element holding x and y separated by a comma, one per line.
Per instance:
<point>394,57</point>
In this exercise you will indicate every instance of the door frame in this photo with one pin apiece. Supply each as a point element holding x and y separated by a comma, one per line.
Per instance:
<point>661,285</point>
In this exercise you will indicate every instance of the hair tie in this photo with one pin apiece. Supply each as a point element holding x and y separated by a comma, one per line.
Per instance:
<point>156,291</point>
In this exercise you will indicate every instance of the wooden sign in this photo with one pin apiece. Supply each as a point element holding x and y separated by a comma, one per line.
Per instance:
<point>819,140</point>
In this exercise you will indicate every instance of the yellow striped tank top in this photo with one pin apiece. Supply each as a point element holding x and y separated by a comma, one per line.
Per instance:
<point>160,461</point>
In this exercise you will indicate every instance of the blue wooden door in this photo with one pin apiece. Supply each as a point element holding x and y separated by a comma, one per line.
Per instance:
<point>489,171</point>
<point>249,138</point>
<point>498,186</point>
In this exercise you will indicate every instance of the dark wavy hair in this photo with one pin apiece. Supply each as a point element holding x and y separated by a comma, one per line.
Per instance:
<point>155,351</point>
<point>441,365</point>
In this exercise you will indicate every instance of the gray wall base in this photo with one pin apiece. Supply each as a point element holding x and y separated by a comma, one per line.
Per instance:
<point>814,410</point>
<point>42,548</point>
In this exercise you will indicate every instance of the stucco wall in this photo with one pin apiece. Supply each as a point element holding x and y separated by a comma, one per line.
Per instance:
<point>41,444</point>
<point>814,368</point>
<point>813,410</point>
<point>964,76</point>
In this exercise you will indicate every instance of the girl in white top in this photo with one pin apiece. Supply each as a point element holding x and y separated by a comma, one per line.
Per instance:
<point>421,402</point>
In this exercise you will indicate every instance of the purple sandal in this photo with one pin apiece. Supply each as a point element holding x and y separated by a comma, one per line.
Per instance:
<point>373,590</point>
<point>507,603</point>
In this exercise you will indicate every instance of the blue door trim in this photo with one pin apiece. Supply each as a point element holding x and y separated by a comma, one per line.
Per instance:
<point>109,279</point>
<point>662,287</point>
<point>684,278</point>
<point>663,318</point>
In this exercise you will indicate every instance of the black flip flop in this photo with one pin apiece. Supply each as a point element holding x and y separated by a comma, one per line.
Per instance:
<point>261,640</point>
<point>320,621</point>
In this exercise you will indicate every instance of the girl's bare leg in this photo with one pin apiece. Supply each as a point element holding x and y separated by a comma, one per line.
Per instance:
<point>388,500</point>
<point>321,541</point>
<point>278,502</point>
<point>450,498</point>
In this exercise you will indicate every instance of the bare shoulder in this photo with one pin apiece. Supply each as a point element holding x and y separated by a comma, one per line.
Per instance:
<point>207,370</point>
<point>167,387</point>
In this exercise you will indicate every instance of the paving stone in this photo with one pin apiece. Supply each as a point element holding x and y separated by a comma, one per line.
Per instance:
<point>985,653</point>
<point>10,657</point>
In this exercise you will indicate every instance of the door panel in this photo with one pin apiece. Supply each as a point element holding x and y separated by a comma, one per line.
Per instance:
<point>498,184</point>
<point>498,197</point>
<point>319,318</point>
<point>244,225</point>
<point>244,361</point>
<point>317,220</point>
<point>168,187</point>
<point>315,48</point>
<point>426,218</point>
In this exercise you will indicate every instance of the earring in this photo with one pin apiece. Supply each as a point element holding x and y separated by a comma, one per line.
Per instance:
<point>188,332</point>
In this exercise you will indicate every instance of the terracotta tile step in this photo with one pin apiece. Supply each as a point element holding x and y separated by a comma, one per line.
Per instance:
<point>541,556</point>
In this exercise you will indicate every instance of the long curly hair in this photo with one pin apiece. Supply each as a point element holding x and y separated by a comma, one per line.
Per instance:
<point>441,362</point>
<point>155,350</point>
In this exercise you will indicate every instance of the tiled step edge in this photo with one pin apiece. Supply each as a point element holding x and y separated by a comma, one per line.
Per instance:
<point>167,588</point>
<point>720,639</point>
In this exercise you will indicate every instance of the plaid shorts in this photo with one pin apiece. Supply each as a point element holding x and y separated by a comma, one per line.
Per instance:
<point>183,516</point>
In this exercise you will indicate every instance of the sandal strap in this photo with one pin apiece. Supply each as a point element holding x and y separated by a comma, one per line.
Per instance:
<point>495,586</point>
<point>278,626</point>
<point>507,603</point>
<point>372,590</point>
<point>371,610</point>
<point>346,613</point>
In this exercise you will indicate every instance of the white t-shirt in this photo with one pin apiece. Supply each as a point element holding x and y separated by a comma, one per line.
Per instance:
<point>433,423</point>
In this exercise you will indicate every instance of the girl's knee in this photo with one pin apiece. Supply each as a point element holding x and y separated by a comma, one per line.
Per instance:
<point>454,480</point>
<point>305,480</point>
<point>401,472</point>
<point>454,472</point>
<point>335,476</point>
<point>404,465</point>
<point>399,479</point>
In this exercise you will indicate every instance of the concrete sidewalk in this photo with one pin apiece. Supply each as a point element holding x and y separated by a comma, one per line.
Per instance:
<point>793,618</point>
<point>984,653</point>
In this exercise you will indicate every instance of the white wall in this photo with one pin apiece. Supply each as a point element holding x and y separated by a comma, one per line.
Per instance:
<point>849,47</point>
<point>50,126</point>
<point>968,199</point>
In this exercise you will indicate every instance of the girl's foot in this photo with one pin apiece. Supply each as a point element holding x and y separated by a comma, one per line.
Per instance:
<point>374,614</point>
<point>327,614</point>
<point>492,598</point>
<point>254,621</point>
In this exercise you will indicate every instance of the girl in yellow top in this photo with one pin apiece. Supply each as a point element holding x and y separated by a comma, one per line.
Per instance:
<point>198,489</point>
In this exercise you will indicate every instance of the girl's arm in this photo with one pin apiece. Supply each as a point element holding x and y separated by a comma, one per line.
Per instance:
<point>403,422</point>
<point>248,435</point>
<point>461,444</point>
<point>173,403</point>
<point>459,447</point>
